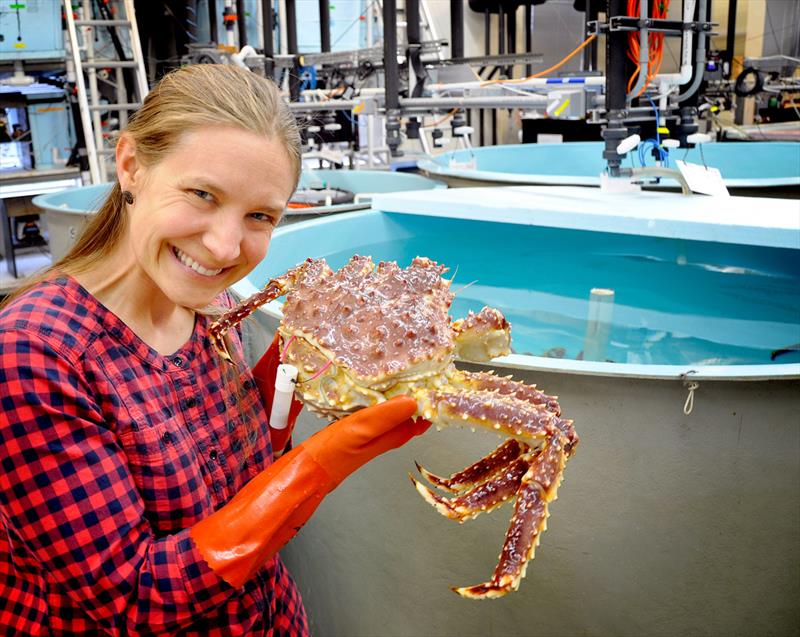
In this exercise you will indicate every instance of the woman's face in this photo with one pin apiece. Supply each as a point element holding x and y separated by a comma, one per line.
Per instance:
<point>203,217</point>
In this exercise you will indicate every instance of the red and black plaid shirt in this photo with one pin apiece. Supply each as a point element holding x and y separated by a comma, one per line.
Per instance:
<point>109,452</point>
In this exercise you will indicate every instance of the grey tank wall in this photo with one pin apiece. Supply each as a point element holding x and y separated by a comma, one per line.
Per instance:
<point>665,524</point>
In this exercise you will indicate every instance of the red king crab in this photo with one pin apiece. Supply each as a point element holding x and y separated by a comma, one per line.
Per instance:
<point>364,334</point>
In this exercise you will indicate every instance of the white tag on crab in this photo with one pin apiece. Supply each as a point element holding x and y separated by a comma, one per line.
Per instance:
<point>282,401</point>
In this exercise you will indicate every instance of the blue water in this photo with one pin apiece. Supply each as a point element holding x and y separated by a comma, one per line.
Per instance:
<point>676,302</point>
<point>735,160</point>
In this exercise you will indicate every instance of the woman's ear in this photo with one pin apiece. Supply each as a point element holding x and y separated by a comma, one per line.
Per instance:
<point>128,168</point>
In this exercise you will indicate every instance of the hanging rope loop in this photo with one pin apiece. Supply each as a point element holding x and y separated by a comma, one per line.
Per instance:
<point>691,386</point>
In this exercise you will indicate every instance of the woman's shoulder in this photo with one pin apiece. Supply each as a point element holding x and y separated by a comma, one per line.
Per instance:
<point>56,308</point>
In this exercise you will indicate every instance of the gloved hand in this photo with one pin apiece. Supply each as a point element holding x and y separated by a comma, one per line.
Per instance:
<point>239,538</point>
<point>264,373</point>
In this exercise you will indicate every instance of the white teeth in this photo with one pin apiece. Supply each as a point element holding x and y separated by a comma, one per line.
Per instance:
<point>194,265</point>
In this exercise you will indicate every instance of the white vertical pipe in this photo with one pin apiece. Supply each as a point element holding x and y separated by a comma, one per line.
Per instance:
<point>260,25</point>
<point>283,42</point>
<point>370,141</point>
<point>598,324</point>
<point>230,34</point>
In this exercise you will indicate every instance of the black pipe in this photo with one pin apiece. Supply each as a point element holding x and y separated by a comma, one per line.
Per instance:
<point>291,27</point>
<point>456,28</point>
<point>528,35</point>
<point>616,89</point>
<point>391,72</point>
<point>487,47</point>
<point>268,31</point>
<point>730,37</point>
<point>457,50</point>
<point>487,31</point>
<point>501,48</point>
<point>212,21</point>
<point>413,30</point>
<point>325,25</point>
<point>291,43</point>
<point>501,30</point>
<point>240,21</point>
<point>414,37</point>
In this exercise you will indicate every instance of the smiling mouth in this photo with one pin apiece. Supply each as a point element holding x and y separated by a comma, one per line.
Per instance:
<point>194,265</point>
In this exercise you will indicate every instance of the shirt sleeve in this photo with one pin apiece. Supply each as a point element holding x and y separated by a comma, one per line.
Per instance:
<point>66,493</point>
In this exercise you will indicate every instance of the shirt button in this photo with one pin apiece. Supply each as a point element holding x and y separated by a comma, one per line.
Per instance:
<point>213,454</point>
<point>177,361</point>
<point>190,402</point>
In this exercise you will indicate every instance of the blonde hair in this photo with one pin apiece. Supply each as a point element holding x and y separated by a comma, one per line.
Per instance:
<point>185,100</point>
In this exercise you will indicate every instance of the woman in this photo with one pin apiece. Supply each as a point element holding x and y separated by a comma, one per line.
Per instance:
<point>138,491</point>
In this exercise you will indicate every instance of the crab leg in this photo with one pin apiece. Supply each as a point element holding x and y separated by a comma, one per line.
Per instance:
<point>272,290</point>
<point>483,336</point>
<point>506,386</point>
<point>507,415</point>
<point>480,471</point>
<point>537,490</point>
<point>484,497</point>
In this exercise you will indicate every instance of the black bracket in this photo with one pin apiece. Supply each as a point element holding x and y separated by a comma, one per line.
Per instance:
<point>656,25</point>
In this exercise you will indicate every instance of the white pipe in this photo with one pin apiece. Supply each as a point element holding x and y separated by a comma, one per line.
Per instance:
<point>260,25</point>
<point>284,42</point>
<point>687,41</point>
<point>230,34</point>
<point>598,324</point>
<point>700,58</point>
<point>246,52</point>
<point>370,119</point>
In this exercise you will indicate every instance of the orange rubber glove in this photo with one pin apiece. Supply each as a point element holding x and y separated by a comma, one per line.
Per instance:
<point>270,509</point>
<point>264,373</point>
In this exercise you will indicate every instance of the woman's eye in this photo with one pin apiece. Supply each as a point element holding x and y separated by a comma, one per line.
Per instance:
<point>205,196</point>
<point>263,216</point>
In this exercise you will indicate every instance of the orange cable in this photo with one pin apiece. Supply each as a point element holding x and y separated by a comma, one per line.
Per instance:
<point>552,68</point>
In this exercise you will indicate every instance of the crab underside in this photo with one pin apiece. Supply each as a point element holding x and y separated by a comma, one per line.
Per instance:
<point>366,333</point>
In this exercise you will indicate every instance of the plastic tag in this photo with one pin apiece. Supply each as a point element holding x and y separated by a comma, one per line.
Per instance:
<point>702,179</point>
<point>470,164</point>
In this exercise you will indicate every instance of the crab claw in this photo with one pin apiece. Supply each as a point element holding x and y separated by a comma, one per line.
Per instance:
<point>483,591</point>
<point>445,484</point>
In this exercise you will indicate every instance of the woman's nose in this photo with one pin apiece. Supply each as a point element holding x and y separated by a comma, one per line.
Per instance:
<point>223,238</point>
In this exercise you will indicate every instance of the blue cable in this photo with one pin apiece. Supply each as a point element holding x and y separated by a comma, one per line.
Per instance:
<point>662,154</point>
